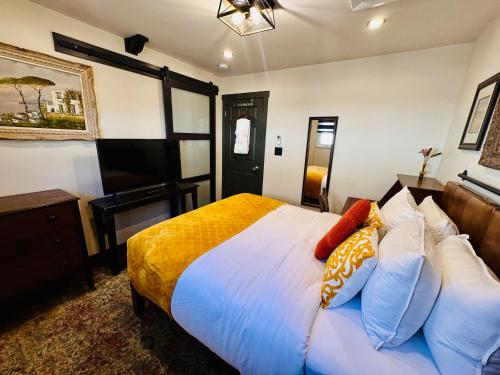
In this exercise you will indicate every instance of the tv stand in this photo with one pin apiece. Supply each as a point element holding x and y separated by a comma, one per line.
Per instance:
<point>104,210</point>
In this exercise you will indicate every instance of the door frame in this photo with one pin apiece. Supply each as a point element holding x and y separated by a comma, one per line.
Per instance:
<point>247,95</point>
<point>306,160</point>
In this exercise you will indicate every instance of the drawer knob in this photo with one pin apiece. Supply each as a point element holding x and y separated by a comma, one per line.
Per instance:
<point>52,218</point>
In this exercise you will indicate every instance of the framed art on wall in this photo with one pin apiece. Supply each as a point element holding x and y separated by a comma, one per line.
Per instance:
<point>490,157</point>
<point>480,114</point>
<point>45,98</point>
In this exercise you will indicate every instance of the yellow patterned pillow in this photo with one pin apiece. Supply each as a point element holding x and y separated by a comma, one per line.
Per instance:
<point>375,217</point>
<point>349,267</point>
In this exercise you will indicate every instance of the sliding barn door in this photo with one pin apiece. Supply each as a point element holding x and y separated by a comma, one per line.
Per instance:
<point>191,120</point>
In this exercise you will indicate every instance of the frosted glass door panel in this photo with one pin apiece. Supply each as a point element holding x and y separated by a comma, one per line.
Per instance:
<point>191,112</point>
<point>195,158</point>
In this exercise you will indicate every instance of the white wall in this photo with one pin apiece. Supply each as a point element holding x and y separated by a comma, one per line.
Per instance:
<point>129,106</point>
<point>485,62</point>
<point>389,107</point>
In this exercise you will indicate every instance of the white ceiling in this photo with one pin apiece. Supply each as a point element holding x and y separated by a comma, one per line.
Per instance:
<point>308,31</point>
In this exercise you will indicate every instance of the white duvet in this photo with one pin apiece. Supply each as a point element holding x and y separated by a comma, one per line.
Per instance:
<point>253,299</point>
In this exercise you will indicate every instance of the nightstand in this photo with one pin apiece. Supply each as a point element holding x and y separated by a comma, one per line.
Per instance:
<point>418,188</point>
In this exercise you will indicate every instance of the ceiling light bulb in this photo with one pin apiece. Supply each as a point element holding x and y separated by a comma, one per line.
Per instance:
<point>375,23</point>
<point>237,18</point>
<point>255,14</point>
<point>228,55</point>
<point>223,66</point>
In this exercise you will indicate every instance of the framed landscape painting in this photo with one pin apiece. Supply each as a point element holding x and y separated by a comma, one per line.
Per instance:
<point>480,115</point>
<point>45,98</point>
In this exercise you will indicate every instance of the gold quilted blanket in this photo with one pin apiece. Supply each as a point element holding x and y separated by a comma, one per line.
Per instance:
<point>158,255</point>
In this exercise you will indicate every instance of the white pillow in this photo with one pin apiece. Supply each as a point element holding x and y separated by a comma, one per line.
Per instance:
<point>463,329</point>
<point>399,208</point>
<point>439,223</point>
<point>400,293</point>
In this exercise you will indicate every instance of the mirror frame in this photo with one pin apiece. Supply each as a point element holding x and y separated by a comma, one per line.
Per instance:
<point>311,119</point>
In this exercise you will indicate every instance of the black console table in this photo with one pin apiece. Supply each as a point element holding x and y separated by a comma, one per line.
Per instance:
<point>104,210</point>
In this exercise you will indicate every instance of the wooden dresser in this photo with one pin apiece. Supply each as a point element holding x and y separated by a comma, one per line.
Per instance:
<point>41,239</point>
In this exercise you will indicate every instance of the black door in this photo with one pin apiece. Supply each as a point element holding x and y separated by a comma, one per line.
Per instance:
<point>243,173</point>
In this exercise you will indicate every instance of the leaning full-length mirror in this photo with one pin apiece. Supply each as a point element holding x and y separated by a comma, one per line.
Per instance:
<point>319,156</point>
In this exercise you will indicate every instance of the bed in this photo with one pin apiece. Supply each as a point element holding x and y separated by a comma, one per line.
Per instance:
<point>248,286</point>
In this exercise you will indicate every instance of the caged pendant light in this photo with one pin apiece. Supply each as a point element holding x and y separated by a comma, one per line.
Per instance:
<point>247,17</point>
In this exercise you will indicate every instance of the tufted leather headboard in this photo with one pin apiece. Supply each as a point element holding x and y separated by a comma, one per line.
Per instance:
<point>477,217</point>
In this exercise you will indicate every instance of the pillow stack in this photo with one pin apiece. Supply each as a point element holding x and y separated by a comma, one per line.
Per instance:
<point>421,274</point>
<point>352,255</point>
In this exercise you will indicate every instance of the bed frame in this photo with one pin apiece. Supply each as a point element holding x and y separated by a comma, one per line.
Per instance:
<point>473,214</point>
<point>479,218</point>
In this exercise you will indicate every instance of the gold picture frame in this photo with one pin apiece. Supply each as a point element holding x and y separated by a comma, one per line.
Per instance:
<point>45,98</point>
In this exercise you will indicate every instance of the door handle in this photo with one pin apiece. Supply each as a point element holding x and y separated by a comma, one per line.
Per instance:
<point>255,168</point>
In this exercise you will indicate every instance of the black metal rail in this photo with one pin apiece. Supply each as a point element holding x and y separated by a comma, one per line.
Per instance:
<point>464,176</point>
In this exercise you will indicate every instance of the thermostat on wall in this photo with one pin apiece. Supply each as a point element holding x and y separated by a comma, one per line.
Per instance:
<point>278,151</point>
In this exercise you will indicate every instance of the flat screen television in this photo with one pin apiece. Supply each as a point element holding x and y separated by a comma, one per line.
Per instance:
<point>131,164</point>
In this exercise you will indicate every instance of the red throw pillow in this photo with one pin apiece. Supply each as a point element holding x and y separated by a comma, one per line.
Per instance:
<point>346,226</point>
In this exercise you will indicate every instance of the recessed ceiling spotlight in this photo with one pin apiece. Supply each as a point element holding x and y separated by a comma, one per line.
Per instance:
<point>228,55</point>
<point>223,67</point>
<point>375,23</point>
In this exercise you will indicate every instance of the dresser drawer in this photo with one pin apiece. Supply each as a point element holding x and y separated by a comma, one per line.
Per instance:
<point>41,246</point>
<point>36,222</point>
<point>22,277</point>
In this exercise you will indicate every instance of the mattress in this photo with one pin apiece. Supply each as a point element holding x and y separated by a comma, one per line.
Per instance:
<point>339,345</point>
<point>253,299</point>
<point>158,255</point>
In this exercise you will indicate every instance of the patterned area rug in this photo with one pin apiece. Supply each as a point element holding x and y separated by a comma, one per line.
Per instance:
<point>72,331</point>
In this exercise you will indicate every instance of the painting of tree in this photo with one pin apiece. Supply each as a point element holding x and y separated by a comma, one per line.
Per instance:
<point>42,97</point>
<point>36,83</point>
<point>14,83</point>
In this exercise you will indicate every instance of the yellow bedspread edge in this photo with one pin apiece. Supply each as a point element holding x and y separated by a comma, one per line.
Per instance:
<point>158,255</point>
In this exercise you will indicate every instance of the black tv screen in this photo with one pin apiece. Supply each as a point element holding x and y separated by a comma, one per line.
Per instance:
<point>128,164</point>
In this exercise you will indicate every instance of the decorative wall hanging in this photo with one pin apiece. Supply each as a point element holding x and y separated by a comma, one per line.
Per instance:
<point>45,98</point>
<point>490,157</point>
<point>480,115</point>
